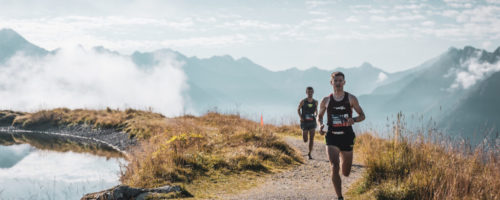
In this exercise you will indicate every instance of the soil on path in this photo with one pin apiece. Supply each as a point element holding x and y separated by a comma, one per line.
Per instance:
<point>311,180</point>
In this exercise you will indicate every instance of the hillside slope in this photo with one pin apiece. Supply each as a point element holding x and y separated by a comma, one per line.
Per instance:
<point>436,91</point>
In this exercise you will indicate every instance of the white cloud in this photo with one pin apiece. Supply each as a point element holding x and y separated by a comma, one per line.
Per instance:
<point>493,1</point>
<point>473,71</point>
<point>226,27</point>
<point>130,34</point>
<point>409,7</point>
<point>366,36</point>
<point>450,13</point>
<point>352,19</point>
<point>317,12</point>
<point>318,3</point>
<point>486,44</point>
<point>376,11</point>
<point>460,3</point>
<point>428,23</point>
<point>381,77</point>
<point>361,6</point>
<point>79,78</point>
<point>215,41</point>
<point>405,17</point>
<point>111,31</point>
<point>481,14</point>
<point>257,24</point>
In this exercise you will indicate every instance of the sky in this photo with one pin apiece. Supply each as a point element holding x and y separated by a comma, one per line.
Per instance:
<point>279,34</point>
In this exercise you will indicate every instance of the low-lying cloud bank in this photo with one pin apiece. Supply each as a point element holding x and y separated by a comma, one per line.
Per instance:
<point>473,71</point>
<point>82,78</point>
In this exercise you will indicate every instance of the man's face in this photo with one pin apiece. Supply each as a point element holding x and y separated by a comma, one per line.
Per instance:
<point>338,82</point>
<point>309,93</point>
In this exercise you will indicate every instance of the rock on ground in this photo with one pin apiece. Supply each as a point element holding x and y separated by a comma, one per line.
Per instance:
<point>125,192</point>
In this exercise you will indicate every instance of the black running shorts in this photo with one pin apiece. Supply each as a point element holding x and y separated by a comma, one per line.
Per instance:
<point>344,140</point>
<point>308,125</point>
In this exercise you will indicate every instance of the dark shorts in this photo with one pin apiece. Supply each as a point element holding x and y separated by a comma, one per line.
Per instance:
<point>308,125</point>
<point>345,141</point>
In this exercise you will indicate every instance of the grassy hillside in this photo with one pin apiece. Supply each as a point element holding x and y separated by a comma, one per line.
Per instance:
<point>205,154</point>
<point>139,124</point>
<point>217,153</point>
<point>427,166</point>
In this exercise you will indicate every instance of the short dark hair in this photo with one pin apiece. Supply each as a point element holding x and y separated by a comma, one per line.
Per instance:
<point>309,88</point>
<point>334,74</point>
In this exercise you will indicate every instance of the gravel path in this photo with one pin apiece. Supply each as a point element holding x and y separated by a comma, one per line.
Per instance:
<point>311,180</point>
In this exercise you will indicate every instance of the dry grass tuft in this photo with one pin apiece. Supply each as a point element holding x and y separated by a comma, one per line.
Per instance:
<point>295,131</point>
<point>207,146</point>
<point>140,124</point>
<point>7,117</point>
<point>417,167</point>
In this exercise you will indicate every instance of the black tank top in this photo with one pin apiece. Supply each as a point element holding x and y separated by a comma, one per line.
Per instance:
<point>308,109</point>
<point>338,112</point>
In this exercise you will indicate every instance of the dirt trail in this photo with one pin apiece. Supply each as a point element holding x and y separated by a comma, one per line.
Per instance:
<point>310,180</point>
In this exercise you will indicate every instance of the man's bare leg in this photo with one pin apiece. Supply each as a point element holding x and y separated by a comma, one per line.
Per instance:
<point>311,141</point>
<point>304,135</point>
<point>333,155</point>
<point>346,157</point>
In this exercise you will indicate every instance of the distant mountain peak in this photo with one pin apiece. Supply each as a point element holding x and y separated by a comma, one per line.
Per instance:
<point>469,52</point>
<point>9,35</point>
<point>366,65</point>
<point>166,50</point>
<point>223,57</point>
<point>101,49</point>
<point>292,69</point>
<point>470,48</point>
<point>245,60</point>
<point>11,43</point>
<point>452,49</point>
<point>466,50</point>
<point>314,68</point>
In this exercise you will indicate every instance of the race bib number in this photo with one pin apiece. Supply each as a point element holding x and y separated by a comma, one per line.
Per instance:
<point>340,120</point>
<point>309,117</point>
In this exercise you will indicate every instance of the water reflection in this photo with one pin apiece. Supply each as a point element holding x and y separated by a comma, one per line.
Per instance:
<point>30,173</point>
<point>11,155</point>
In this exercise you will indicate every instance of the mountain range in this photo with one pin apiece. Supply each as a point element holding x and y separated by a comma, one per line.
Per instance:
<point>435,91</point>
<point>432,89</point>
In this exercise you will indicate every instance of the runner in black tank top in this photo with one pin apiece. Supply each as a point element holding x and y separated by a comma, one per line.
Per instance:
<point>339,135</point>
<point>307,110</point>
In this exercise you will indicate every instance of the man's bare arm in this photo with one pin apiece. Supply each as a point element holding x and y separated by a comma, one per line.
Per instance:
<point>299,110</point>
<point>316,111</point>
<point>322,110</point>
<point>358,109</point>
